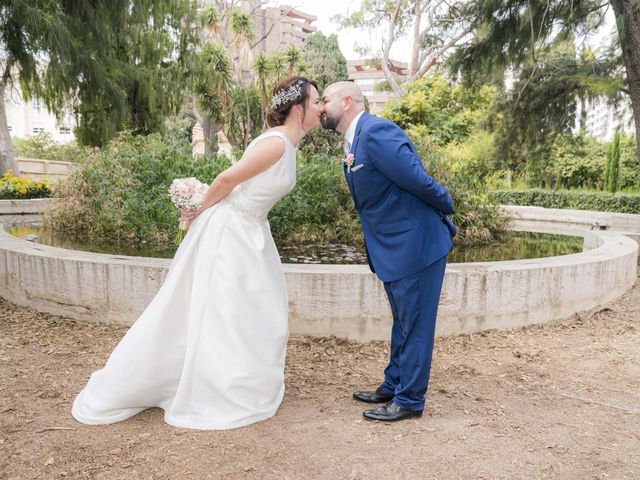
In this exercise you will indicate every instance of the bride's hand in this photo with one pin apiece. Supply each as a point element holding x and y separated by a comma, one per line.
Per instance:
<point>189,215</point>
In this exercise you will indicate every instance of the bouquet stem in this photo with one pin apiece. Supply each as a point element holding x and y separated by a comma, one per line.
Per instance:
<point>183,226</point>
<point>180,236</point>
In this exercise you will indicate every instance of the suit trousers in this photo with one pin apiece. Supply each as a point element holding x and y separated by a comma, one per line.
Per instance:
<point>414,305</point>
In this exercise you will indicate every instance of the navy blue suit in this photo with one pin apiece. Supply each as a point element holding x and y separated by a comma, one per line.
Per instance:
<point>407,233</point>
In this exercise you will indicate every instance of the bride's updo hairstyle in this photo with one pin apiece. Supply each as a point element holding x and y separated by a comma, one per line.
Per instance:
<point>288,92</point>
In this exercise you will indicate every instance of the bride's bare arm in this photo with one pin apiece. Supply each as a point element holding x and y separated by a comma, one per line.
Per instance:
<point>263,155</point>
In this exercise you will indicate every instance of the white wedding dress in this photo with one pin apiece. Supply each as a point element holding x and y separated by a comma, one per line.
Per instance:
<point>210,347</point>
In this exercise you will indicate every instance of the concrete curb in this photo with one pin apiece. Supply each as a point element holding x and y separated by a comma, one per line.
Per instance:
<point>343,300</point>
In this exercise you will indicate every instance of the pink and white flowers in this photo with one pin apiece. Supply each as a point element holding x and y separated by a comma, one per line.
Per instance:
<point>349,161</point>
<point>187,193</point>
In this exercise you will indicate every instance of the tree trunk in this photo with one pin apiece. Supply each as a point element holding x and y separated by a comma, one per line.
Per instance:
<point>583,112</point>
<point>245,136</point>
<point>415,44</point>
<point>7,159</point>
<point>210,132</point>
<point>388,41</point>
<point>628,19</point>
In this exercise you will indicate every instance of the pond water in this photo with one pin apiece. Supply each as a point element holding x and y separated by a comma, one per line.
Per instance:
<point>511,246</point>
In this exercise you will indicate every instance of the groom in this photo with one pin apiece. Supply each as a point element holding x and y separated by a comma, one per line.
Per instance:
<point>403,212</point>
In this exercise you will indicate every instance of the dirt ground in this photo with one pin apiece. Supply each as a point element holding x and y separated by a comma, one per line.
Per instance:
<point>555,401</point>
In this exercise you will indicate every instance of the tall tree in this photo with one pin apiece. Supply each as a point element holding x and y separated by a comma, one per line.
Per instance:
<point>151,46</point>
<point>212,82</point>
<point>121,62</point>
<point>325,60</point>
<point>514,33</point>
<point>436,27</point>
<point>628,22</point>
<point>32,31</point>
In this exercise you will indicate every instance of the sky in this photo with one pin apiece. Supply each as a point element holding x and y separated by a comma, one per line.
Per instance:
<point>401,49</point>
<point>325,9</point>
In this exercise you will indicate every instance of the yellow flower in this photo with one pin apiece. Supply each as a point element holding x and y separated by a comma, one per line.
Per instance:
<point>22,190</point>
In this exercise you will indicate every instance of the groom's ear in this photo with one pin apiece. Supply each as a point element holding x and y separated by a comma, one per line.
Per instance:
<point>347,101</point>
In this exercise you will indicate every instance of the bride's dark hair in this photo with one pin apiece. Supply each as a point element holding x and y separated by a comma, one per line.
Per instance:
<point>285,96</point>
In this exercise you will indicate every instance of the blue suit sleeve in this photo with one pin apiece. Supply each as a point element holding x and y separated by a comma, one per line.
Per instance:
<point>388,148</point>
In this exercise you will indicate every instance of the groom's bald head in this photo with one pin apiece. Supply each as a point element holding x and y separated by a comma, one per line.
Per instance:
<point>346,89</point>
<point>343,101</point>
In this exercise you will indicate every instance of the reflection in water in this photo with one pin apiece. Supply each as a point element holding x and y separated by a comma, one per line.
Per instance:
<point>511,246</point>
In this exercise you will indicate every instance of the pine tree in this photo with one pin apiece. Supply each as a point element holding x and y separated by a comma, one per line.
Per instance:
<point>326,62</point>
<point>122,63</point>
<point>613,164</point>
<point>519,33</point>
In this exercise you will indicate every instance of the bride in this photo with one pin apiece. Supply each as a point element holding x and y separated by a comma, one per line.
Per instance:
<point>210,347</point>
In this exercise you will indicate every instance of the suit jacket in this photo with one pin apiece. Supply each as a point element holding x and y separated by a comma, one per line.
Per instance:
<point>403,210</point>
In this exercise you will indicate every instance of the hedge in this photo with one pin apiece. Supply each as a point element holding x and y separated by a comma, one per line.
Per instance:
<point>597,201</point>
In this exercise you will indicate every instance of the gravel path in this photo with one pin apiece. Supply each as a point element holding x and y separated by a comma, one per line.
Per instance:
<point>555,401</point>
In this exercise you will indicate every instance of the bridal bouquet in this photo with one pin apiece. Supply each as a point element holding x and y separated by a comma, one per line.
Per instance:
<point>186,193</point>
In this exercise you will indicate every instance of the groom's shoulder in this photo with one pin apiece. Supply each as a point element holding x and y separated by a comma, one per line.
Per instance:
<point>376,121</point>
<point>380,124</point>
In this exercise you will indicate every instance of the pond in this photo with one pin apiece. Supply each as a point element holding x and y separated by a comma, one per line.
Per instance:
<point>511,246</point>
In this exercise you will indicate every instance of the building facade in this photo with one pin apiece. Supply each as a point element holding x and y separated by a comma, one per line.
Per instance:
<point>26,118</point>
<point>280,27</point>
<point>369,76</point>
<point>603,118</point>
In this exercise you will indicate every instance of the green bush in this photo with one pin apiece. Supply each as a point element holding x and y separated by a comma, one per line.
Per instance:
<point>629,168</point>
<point>473,157</point>
<point>577,161</point>
<point>477,217</point>
<point>598,201</point>
<point>119,195</point>
<point>43,146</point>
<point>320,208</point>
<point>445,111</point>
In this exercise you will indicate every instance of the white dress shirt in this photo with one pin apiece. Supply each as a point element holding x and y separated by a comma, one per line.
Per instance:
<point>351,132</point>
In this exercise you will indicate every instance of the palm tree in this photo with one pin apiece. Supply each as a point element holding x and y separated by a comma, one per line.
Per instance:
<point>261,69</point>
<point>277,66</point>
<point>294,58</point>
<point>212,78</point>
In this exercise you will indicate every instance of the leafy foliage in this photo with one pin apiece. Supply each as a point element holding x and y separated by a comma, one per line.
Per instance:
<point>119,195</point>
<point>576,162</point>
<point>598,201</point>
<point>122,62</point>
<point>535,40</point>
<point>326,63</point>
<point>442,111</point>
<point>43,146</point>
<point>612,172</point>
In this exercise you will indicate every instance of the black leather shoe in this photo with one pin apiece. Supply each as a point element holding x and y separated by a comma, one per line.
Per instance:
<point>375,396</point>
<point>390,413</point>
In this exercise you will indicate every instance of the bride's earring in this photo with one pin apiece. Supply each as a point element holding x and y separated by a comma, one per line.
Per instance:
<point>300,119</point>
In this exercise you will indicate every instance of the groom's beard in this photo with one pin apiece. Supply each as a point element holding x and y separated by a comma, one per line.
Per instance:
<point>329,122</point>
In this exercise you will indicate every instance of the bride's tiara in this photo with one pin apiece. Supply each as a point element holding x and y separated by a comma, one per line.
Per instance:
<point>287,95</point>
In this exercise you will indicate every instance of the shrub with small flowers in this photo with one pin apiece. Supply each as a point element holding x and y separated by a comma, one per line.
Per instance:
<point>23,188</point>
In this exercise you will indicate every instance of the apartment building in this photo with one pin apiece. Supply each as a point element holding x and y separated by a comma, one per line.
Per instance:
<point>280,26</point>
<point>603,118</point>
<point>368,74</point>
<point>32,117</point>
